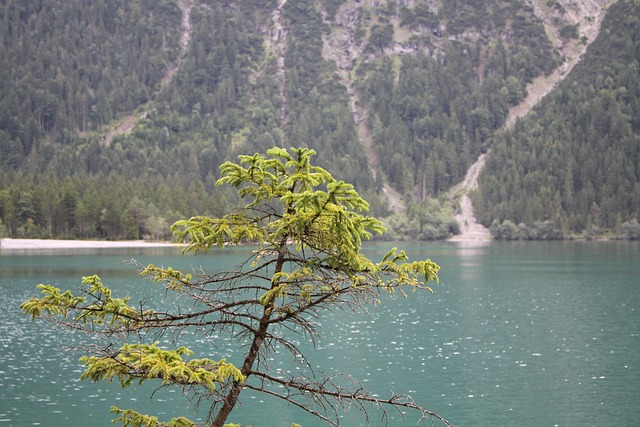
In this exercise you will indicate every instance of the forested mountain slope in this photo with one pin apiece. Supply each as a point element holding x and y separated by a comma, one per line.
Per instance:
<point>397,97</point>
<point>576,160</point>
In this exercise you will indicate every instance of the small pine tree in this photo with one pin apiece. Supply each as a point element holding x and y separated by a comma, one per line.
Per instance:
<point>307,230</point>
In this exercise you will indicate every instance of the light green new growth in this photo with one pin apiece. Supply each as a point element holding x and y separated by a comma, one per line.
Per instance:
<point>173,279</point>
<point>308,212</point>
<point>146,362</point>
<point>102,307</point>
<point>130,418</point>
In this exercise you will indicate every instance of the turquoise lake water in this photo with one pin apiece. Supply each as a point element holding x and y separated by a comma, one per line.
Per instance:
<point>515,334</point>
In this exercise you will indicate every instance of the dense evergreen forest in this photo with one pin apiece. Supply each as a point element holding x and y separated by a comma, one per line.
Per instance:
<point>575,162</point>
<point>433,113</point>
<point>432,84</point>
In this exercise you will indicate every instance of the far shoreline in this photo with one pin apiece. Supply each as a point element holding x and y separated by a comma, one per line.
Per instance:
<point>10,244</point>
<point>6,243</point>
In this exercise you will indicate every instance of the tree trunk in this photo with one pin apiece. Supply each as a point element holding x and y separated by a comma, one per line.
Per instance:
<point>232,397</point>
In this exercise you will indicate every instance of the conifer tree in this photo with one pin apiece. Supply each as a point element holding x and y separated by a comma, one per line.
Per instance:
<point>307,230</point>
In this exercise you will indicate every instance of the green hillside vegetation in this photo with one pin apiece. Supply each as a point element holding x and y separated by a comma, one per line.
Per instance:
<point>431,115</point>
<point>575,162</point>
<point>434,84</point>
<point>69,67</point>
<point>223,101</point>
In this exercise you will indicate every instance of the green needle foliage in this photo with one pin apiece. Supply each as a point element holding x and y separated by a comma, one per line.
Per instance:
<point>307,230</point>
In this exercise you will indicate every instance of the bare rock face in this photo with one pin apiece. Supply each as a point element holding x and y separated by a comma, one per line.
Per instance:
<point>470,229</point>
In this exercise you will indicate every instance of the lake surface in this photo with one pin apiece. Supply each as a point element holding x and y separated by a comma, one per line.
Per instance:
<point>515,334</point>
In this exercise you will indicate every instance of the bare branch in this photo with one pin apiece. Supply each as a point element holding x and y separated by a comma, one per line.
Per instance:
<point>320,393</point>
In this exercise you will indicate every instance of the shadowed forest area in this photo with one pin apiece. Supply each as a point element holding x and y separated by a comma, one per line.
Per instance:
<point>431,84</point>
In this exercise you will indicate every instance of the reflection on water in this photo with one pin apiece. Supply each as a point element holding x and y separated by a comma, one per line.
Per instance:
<point>515,334</point>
